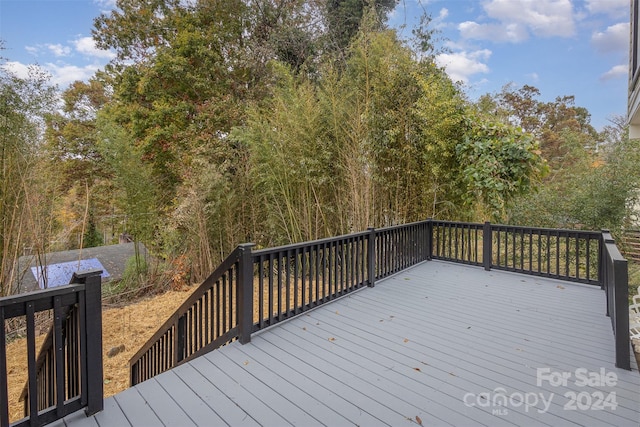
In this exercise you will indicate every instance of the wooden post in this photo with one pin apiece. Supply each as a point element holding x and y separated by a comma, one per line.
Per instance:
<point>429,242</point>
<point>487,246</point>
<point>621,274</point>
<point>371,257</point>
<point>181,331</point>
<point>245,293</point>
<point>93,338</point>
<point>4,391</point>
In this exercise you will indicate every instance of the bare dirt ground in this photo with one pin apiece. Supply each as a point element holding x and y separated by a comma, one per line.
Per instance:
<point>131,325</point>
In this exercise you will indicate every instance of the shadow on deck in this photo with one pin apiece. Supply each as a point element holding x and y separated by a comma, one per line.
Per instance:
<point>456,346</point>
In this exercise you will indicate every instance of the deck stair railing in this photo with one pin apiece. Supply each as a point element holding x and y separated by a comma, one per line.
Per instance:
<point>252,290</point>
<point>66,375</point>
<point>255,289</point>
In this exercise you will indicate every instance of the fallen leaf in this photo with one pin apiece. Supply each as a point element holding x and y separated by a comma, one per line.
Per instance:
<point>304,328</point>
<point>406,278</point>
<point>418,420</point>
<point>468,327</point>
<point>337,312</point>
<point>560,287</point>
<point>381,320</point>
<point>245,363</point>
<point>332,339</point>
<point>391,317</point>
<point>452,374</point>
<point>417,369</point>
<point>406,340</point>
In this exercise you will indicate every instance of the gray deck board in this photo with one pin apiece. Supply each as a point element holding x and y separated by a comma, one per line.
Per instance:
<point>416,345</point>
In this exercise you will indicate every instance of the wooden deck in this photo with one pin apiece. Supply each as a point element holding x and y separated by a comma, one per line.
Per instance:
<point>438,344</point>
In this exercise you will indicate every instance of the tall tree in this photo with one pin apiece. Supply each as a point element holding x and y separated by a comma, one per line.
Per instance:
<point>25,214</point>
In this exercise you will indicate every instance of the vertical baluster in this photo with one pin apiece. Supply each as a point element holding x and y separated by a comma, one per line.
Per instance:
<point>234,283</point>
<point>314,265</point>
<point>219,310</point>
<point>304,277</point>
<point>588,258</point>
<point>4,391</point>
<point>261,261</point>
<point>331,266</point>
<point>557,253</point>
<point>58,358</point>
<point>567,255</point>
<point>279,280</point>
<point>288,281</point>
<point>31,362</point>
<point>577,256</point>
<point>296,280</point>
<point>324,271</point>
<point>207,315</point>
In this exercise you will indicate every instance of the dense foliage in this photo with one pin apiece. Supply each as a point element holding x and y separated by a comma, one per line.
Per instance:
<point>280,121</point>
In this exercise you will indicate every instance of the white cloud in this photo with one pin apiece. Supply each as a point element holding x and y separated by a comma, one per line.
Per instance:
<point>462,65</point>
<point>514,20</point>
<point>107,4</point>
<point>87,46</point>
<point>61,75</point>
<point>615,8</point>
<point>439,21</point>
<point>59,50</point>
<point>614,38</point>
<point>64,75</point>
<point>513,33</point>
<point>33,50</point>
<point>17,69</point>
<point>616,72</point>
<point>533,76</point>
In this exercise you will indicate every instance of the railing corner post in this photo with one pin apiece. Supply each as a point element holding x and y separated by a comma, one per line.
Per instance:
<point>487,246</point>
<point>605,237</point>
<point>371,257</point>
<point>93,330</point>
<point>245,292</point>
<point>621,292</point>
<point>429,238</point>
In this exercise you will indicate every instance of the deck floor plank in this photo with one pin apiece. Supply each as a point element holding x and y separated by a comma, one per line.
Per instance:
<point>435,342</point>
<point>191,403</point>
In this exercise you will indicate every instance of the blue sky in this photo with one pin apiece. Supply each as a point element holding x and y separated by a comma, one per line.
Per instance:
<point>563,47</point>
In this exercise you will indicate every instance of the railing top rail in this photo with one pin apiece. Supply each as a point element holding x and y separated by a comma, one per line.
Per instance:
<point>41,294</point>
<point>464,224</point>
<point>590,233</point>
<point>195,296</point>
<point>15,306</point>
<point>398,226</point>
<point>294,246</point>
<point>613,251</point>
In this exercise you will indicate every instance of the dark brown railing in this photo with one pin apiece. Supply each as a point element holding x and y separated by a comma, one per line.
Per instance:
<point>399,247</point>
<point>67,374</point>
<point>457,241</point>
<point>571,255</point>
<point>264,287</point>
<point>207,320</point>
<point>253,290</point>
<point>615,279</point>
